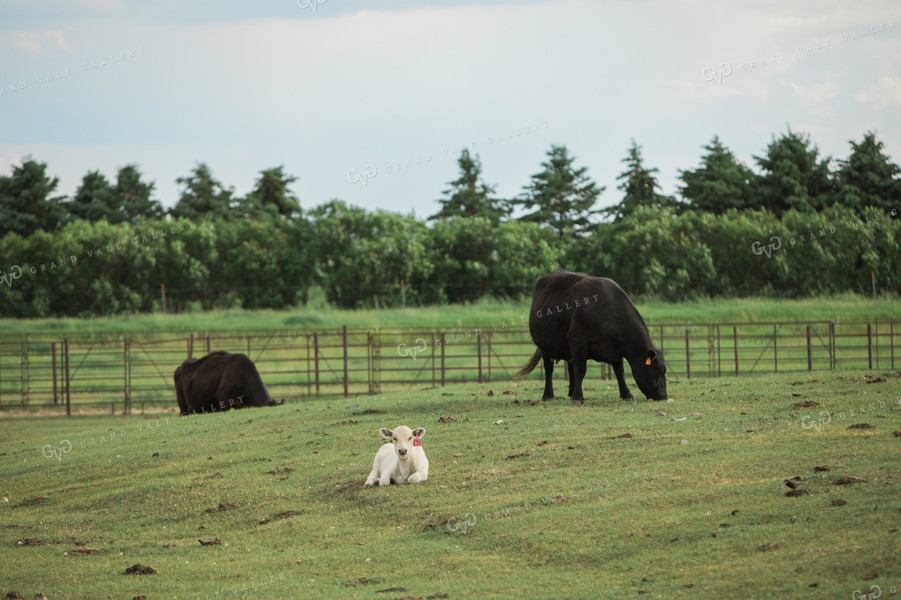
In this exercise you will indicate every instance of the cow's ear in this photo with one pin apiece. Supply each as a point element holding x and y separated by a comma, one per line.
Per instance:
<point>652,354</point>
<point>419,432</point>
<point>386,433</point>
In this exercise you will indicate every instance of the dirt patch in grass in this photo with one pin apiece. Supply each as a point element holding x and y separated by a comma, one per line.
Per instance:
<point>223,506</point>
<point>281,515</point>
<point>362,581</point>
<point>849,479</point>
<point>139,569</point>
<point>806,404</point>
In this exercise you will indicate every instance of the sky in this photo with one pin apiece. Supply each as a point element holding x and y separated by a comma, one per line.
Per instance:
<point>372,102</point>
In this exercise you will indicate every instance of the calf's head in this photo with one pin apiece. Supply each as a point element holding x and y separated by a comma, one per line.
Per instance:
<point>402,437</point>
<point>650,375</point>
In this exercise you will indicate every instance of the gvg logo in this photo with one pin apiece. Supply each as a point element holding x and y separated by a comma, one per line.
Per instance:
<point>875,592</point>
<point>808,423</point>
<point>717,75</point>
<point>65,447</point>
<point>462,525</point>
<point>404,350</point>
<point>314,4</point>
<point>775,244</point>
<point>369,172</point>
<point>10,277</point>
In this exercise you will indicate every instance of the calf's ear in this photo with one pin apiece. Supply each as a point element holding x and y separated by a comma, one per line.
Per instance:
<point>419,432</point>
<point>386,433</point>
<point>652,354</point>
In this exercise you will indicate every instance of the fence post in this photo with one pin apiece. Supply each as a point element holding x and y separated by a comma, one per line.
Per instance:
<point>809,354</point>
<point>479,347</point>
<point>687,357</point>
<point>735,342</point>
<point>719,352</point>
<point>316,359</point>
<point>870,345</point>
<point>191,346</point>
<point>442,360</point>
<point>368,359</point>
<point>891,340</point>
<point>344,330</point>
<point>309,378</point>
<point>125,382</point>
<point>207,343</point>
<point>66,379</point>
<point>53,368</point>
<point>832,360</point>
<point>434,375</point>
<point>489,357</point>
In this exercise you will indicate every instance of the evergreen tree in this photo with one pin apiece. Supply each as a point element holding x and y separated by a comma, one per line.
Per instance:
<point>793,176</point>
<point>26,204</point>
<point>720,183</point>
<point>470,197</point>
<point>133,196</point>
<point>868,177</point>
<point>562,195</point>
<point>272,193</point>
<point>94,200</point>
<point>203,195</point>
<point>639,186</point>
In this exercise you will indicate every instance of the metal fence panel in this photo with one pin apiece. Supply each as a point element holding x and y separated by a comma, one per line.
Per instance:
<point>128,370</point>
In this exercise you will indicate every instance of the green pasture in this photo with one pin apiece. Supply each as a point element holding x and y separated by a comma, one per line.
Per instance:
<point>484,314</point>
<point>525,499</point>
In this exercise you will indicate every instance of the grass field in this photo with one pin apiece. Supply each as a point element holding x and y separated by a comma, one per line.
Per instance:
<point>524,500</point>
<point>317,315</point>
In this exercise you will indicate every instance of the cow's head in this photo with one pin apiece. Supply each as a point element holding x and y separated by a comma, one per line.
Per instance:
<point>402,437</point>
<point>650,375</point>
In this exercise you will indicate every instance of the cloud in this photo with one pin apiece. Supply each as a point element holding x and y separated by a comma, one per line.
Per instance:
<point>8,161</point>
<point>812,95</point>
<point>34,42</point>
<point>882,94</point>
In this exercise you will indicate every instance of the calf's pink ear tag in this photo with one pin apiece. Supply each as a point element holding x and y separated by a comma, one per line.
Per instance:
<point>417,441</point>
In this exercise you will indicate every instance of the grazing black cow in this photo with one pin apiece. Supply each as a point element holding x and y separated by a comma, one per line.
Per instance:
<point>219,381</point>
<point>576,317</point>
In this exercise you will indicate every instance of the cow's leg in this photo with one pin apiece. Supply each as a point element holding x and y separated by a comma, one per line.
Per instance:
<point>374,475</point>
<point>180,396</point>
<point>228,396</point>
<point>416,477</point>
<point>548,377</point>
<point>624,392</point>
<point>580,367</point>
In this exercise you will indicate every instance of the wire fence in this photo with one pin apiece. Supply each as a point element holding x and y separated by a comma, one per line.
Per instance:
<point>134,370</point>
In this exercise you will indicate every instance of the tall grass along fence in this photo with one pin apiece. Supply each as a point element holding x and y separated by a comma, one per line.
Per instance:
<point>129,371</point>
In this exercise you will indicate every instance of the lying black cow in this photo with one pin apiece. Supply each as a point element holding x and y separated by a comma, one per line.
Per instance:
<point>576,317</point>
<point>219,381</point>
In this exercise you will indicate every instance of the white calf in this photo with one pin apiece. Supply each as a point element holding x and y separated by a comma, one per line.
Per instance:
<point>402,461</point>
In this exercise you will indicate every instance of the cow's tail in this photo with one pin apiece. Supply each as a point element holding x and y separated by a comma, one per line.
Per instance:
<point>530,366</point>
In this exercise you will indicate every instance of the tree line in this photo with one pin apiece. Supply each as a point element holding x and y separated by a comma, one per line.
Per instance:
<point>801,225</point>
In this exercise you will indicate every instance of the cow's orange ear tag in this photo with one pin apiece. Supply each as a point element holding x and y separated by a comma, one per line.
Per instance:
<point>647,361</point>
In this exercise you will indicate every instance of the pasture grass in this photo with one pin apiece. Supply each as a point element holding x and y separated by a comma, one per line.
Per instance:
<point>523,500</point>
<point>319,316</point>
